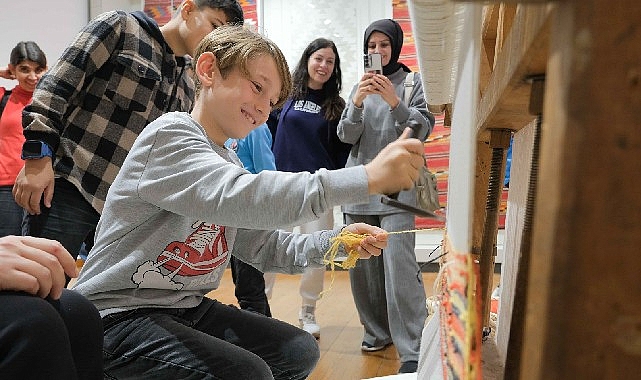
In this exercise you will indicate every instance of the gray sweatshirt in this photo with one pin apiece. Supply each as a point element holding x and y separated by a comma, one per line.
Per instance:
<point>181,205</point>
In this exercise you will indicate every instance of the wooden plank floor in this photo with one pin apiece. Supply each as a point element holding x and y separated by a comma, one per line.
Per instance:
<point>341,331</point>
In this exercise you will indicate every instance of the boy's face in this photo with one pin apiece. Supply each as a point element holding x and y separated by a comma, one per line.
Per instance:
<point>198,23</point>
<point>234,106</point>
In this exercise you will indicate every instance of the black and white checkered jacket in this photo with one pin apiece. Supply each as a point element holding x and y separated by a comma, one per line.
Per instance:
<point>116,77</point>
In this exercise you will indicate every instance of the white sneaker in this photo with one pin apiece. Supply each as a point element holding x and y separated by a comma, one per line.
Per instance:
<point>307,321</point>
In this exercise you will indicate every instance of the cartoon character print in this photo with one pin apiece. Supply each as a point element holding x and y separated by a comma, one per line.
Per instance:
<point>202,252</point>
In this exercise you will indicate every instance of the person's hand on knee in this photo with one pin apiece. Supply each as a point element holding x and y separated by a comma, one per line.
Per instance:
<point>35,265</point>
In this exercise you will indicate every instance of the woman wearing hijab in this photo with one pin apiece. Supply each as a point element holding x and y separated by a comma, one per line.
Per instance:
<point>388,291</point>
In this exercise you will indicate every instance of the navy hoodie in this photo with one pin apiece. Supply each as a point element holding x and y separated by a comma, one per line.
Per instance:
<point>304,140</point>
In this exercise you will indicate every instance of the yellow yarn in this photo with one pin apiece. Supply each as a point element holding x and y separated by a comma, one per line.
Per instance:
<point>350,242</point>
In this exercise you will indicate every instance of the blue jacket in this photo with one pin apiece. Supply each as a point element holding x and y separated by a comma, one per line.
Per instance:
<point>255,150</point>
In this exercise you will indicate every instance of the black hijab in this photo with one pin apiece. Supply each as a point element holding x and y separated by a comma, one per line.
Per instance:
<point>392,30</point>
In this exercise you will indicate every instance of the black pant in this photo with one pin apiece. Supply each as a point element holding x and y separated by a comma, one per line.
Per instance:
<point>208,341</point>
<point>250,287</point>
<point>70,220</point>
<point>47,339</point>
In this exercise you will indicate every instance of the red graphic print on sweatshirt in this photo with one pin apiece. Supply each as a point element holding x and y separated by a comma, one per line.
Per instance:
<point>202,252</point>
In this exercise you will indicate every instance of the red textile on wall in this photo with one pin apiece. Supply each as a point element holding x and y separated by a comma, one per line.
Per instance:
<point>401,14</point>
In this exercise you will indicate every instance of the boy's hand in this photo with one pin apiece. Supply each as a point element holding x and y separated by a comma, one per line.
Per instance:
<point>35,182</point>
<point>373,243</point>
<point>396,166</point>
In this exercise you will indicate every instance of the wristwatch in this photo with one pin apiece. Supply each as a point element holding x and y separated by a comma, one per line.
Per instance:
<point>35,149</point>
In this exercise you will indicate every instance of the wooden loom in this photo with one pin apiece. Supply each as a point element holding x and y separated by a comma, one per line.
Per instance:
<point>574,65</point>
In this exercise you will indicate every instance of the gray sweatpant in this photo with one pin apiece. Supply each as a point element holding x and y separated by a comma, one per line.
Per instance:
<point>388,290</point>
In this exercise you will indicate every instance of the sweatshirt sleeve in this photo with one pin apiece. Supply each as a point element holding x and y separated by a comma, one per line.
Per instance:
<point>259,142</point>
<point>338,150</point>
<point>415,110</point>
<point>350,127</point>
<point>179,171</point>
<point>282,251</point>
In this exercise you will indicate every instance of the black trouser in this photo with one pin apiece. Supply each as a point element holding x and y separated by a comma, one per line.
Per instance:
<point>250,287</point>
<point>208,341</point>
<point>70,219</point>
<point>47,339</point>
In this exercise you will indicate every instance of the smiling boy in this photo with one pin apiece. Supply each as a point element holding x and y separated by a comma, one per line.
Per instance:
<point>182,204</point>
<point>120,73</point>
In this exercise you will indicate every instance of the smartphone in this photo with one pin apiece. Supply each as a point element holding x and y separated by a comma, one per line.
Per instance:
<point>373,63</point>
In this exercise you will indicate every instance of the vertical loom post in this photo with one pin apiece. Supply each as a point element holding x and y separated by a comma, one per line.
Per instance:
<point>499,141</point>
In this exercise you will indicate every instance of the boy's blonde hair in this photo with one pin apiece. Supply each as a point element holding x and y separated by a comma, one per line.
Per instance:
<point>234,46</point>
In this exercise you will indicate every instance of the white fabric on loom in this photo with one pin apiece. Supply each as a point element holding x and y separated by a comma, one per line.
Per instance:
<point>436,26</point>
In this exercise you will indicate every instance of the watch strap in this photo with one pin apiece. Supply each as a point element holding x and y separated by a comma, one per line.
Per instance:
<point>35,149</point>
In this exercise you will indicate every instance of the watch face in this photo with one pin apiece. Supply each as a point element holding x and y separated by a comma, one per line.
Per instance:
<point>32,149</point>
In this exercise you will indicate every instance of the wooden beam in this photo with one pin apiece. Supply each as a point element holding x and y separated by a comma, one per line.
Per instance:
<point>504,103</point>
<point>584,319</point>
<point>521,51</point>
<point>490,23</point>
<point>481,180</point>
<point>488,47</point>
<point>506,19</point>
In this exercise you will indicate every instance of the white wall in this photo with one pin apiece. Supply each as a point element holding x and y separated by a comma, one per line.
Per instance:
<point>51,24</point>
<point>96,7</point>
<point>293,24</point>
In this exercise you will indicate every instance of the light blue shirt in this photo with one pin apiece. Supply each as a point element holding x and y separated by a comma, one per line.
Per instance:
<point>255,150</point>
